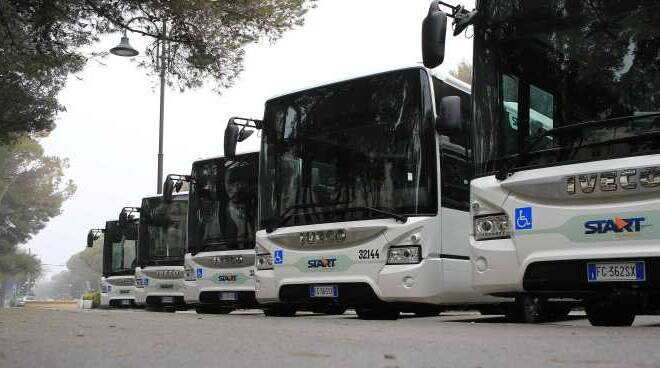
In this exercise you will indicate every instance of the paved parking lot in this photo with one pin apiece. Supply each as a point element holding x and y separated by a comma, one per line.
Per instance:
<point>134,338</point>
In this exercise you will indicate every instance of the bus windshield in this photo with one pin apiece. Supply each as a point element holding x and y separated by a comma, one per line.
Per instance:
<point>119,248</point>
<point>546,64</point>
<point>337,152</point>
<point>162,231</point>
<point>223,204</point>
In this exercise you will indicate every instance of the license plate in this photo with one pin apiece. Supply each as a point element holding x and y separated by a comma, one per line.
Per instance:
<point>228,296</point>
<point>167,286</point>
<point>616,271</point>
<point>125,302</point>
<point>167,300</point>
<point>323,291</point>
<point>124,292</point>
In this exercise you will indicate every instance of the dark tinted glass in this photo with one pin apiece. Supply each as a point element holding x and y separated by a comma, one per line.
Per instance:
<point>330,151</point>
<point>455,167</point>
<point>223,204</point>
<point>120,248</point>
<point>547,64</point>
<point>162,231</point>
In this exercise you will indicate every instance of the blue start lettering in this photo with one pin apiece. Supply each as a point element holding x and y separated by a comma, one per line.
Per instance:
<point>227,278</point>
<point>321,263</point>
<point>616,225</point>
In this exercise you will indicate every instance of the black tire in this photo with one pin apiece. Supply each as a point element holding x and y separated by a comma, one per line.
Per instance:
<point>377,313</point>
<point>280,311</point>
<point>335,310</point>
<point>491,310</point>
<point>428,311</point>
<point>558,312</point>
<point>609,315</point>
<point>527,308</point>
<point>211,310</point>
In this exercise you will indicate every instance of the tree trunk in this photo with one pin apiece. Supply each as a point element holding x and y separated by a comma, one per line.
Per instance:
<point>3,289</point>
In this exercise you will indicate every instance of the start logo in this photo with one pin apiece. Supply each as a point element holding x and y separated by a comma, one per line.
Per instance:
<point>615,225</point>
<point>321,263</point>
<point>227,278</point>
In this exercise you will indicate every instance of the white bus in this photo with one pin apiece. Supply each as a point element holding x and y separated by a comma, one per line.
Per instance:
<point>565,202</point>
<point>364,198</point>
<point>119,251</point>
<point>159,277</point>
<point>220,258</point>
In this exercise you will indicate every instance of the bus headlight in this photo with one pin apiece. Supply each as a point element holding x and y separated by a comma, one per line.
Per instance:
<point>189,273</point>
<point>264,261</point>
<point>492,227</point>
<point>139,283</point>
<point>408,254</point>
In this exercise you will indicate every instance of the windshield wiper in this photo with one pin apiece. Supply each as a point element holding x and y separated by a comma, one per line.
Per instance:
<point>388,212</point>
<point>290,211</point>
<point>286,215</point>
<point>220,241</point>
<point>524,155</point>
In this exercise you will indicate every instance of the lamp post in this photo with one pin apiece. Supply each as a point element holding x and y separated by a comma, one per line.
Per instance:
<point>126,50</point>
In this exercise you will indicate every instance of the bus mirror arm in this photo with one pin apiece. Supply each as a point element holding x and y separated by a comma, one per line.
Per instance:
<point>434,30</point>
<point>233,134</point>
<point>449,121</point>
<point>173,183</point>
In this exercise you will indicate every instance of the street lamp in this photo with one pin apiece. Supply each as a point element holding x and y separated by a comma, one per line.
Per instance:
<point>126,50</point>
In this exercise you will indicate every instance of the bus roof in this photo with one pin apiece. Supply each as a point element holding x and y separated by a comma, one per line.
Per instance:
<point>442,76</point>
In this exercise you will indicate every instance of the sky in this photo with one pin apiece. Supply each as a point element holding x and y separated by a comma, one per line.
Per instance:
<point>109,131</point>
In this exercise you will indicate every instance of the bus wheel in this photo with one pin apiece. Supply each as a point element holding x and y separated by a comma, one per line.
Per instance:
<point>428,311</point>
<point>527,309</point>
<point>609,314</point>
<point>280,311</point>
<point>210,310</point>
<point>558,312</point>
<point>335,310</point>
<point>377,313</point>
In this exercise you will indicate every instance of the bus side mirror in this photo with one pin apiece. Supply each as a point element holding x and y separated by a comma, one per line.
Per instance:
<point>434,32</point>
<point>168,189</point>
<point>123,217</point>
<point>449,117</point>
<point>90,239</point>
<point>232,136</point>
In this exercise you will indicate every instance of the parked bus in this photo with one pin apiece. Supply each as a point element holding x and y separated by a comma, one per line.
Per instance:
<point>119,252</point>
<point>364,197</point>
<point>219,262</point>
<point>159,277</point>
<point>566,195</point>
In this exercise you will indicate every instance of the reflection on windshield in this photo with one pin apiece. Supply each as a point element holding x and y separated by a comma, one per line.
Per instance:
<point>162,229</point>
<point>123,255</point>
<point>360,143</point>
<point>561,63</point>
<point>119,247</point>
<point>223,202</point>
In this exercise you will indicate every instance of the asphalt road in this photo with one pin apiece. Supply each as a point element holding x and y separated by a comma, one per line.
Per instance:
<point>135,338</point>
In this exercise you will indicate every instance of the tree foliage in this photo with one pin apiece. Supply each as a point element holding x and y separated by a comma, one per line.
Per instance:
<point>83,273</point>
<point>32,190</point>
<point>41,43</point>
<point>15,267</point>
<point>463,71</point>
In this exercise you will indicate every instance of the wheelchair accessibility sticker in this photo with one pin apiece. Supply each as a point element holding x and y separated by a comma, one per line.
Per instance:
<point>524,218</point>
<point>278,256</point>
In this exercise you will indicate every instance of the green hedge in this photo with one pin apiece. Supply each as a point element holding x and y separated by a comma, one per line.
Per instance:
<point>94,296</point>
